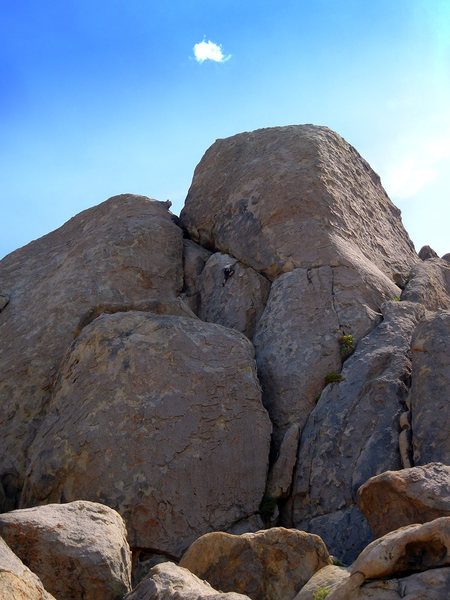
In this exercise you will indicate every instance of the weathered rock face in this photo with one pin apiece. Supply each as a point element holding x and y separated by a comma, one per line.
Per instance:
<point>397,498</point>
<point>429,394</point>
<point>429,284</point>
<point>167,581</point>
<point>297,196</point>
<point>353,433</point>
<point>17,582</point>
<point>271,564</point>
<point>408,549</point>
<point>151,415</point>
<point>123,252</point>
<point>297,338</point>
<point>78,550</point>
<point>239,302</point>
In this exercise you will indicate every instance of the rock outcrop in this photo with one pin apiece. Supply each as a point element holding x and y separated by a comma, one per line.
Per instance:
<point>17,582</point>
<point>78,550</point>
<point>117,255</point>
<point>398,498</point>
<point>272,564</point>
<point>250,364</point>
<point>151,415</point>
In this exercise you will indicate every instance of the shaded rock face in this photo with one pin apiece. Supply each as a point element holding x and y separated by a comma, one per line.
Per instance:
<point>297,338</point>
<point>353,433</point>
<point>17,582</point>
<point>237,302</point>
<point>297,196</point>
<point>168,581</point>
<point>79,550</point>
<point>429,394</point>
<point>398,498</point>
<point>194,260</point>
<point>151,415</point>
<point>119,254</point>
<point>272,564</point>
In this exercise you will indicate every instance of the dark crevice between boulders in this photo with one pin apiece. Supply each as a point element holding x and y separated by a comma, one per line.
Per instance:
<point>405,429</point>
<point>143,559</point>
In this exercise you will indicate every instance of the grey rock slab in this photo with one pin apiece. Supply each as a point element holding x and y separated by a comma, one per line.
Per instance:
<point>159,417</point>
<point>398,498</point>
<point>121,253</point>
<point>296,196</point>
<point>429,284</point>
<point>352,434</point>
<point>17,582</point>
<point>239,301</point>
<point>168,581</point>
<point>78,550</point>
<point>296,340</point>
<point>429,396</point>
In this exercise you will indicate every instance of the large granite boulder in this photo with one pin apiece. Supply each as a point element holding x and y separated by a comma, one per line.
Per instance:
<point>159,417</point>
<point>168,581</point>
<point>297,338</point>
<point>114,256</point>
<point>17,582</point>
<point>429,393</point>
<point>237,302</point>
<point>267,565</point>
<point>297,196</point>
<point>78,550</point>
<point>397,498</point>
<point>353,433</point>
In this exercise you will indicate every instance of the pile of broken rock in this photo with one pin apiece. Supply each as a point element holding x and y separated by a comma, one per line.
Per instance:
<point>169,432</point>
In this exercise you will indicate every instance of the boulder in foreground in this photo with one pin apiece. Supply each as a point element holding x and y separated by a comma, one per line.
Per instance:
<point>398,498</point>
<point>17,582</point>
<point>168,581</point>
<point>272,564</point>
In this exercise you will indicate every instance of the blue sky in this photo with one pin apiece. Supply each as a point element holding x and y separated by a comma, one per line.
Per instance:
<point>103,97</point>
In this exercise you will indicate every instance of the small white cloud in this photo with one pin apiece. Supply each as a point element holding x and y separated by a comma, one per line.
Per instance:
<point>209,51</point>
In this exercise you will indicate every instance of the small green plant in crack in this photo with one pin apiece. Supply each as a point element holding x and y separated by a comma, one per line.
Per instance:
<point>332,378</point>
<point>320,594</point>
<point>396,299</point>
<point>317,398</point>
<point>347,345</point>
<point>267,507</point>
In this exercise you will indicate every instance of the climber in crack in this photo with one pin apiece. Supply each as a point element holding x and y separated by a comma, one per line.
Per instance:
<point>228,271</point>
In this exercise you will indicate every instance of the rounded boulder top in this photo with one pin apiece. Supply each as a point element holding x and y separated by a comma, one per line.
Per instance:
<point>297,196</point>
